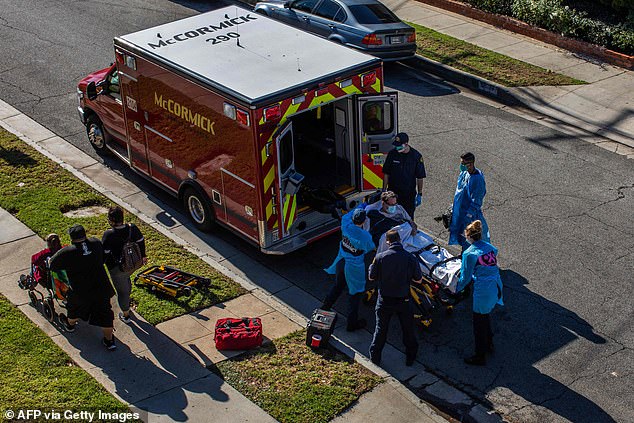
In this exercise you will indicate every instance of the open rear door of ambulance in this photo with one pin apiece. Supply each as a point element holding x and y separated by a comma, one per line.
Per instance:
<point>288,179</point>
<point>377,125</point>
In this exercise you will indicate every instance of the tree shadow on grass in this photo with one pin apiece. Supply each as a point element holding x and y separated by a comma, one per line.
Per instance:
<point>16,158</point>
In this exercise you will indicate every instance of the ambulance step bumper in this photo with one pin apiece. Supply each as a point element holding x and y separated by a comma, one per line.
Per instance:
<point>301,240</point>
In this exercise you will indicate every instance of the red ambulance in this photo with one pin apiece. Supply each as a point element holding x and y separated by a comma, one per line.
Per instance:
<point>253,124</point>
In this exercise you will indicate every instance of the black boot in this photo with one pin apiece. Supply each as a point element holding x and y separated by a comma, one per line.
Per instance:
<point>359,324</point>
<point>476,360</point>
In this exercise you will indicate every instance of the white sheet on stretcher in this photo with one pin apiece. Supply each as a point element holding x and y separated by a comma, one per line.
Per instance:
<point>446,274</point>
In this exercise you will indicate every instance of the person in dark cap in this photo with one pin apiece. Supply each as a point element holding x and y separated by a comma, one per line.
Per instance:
<point>403,173</point>
<point>349,266</point>
<point>394,270</point>
<point>90,289</point>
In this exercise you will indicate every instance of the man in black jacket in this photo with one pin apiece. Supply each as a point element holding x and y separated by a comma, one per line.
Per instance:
<point>113,241</point>
<point>403,173</point>
<point>394,270</point>
<point>90,293</point>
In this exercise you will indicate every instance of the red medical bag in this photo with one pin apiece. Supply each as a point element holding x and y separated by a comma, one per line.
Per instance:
<point>238,334</point>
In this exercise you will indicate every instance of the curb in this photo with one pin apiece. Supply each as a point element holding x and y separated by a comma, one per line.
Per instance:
<point>513,97</point>
<point>263,295</point>
<point>475,83</point>
<point>514,25</point>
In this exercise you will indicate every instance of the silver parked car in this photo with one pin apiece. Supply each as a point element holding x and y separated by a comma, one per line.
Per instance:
<point>366,25</point>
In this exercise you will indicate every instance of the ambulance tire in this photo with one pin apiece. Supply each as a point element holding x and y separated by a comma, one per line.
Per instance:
<point>96,134</point>
<point>199,210</point>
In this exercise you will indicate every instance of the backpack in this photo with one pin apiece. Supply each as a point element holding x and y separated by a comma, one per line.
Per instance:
<point>131,258</point>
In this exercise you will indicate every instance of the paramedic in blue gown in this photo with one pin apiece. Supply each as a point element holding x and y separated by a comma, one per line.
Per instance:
<point>403,173</point>
<point>479,265</point>
<point>394,270</point>
<point>467,202</point>
<point>349,266</point>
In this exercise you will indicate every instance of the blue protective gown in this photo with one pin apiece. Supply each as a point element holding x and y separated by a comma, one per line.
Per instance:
<point>479,263</point>
<point>467,206</point>
<point>355,244</point>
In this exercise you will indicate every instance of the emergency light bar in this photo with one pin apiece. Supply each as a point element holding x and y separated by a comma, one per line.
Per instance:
<point>272,113</point>
<point>368,79</point>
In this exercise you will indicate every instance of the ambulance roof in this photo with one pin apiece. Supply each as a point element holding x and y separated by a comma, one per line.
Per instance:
<point>249,55</point>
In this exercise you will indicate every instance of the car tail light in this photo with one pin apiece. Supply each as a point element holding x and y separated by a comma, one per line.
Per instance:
<point>371,40</point>
<point>272,113</point>
<point>368,79</point>
<point>411,38</point>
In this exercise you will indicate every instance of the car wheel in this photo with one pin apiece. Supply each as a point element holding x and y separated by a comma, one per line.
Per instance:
<point>199,210</point>
<point>96,134</point>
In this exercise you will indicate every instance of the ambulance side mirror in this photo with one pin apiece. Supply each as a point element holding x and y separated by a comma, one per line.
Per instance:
<point>91,91</point>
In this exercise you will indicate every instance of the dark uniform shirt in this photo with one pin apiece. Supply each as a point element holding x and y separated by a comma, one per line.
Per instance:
<point>113,240</point>
<point>404,169</point>
<point>394,270</point>
<point>83,263</point>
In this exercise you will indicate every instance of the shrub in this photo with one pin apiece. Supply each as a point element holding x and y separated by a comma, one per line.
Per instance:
<point>501,7</point>
<point>619,5</point>
<point>554,16</point>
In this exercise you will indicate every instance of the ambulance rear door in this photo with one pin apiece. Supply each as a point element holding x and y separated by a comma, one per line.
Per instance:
<point>376,126</point>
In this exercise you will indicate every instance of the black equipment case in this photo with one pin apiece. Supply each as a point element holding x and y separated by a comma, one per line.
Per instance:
<point>321,323</point>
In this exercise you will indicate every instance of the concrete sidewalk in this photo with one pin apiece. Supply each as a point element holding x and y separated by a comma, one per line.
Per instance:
<point>162,369</point>
<point>604,106</point>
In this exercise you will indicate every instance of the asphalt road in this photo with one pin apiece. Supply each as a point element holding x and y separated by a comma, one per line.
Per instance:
<point>560,210</point>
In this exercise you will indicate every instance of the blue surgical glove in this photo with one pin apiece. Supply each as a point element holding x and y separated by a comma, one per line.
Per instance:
<point>419,199</point>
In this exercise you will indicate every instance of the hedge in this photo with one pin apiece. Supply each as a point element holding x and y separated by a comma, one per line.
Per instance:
<point>554,16</point>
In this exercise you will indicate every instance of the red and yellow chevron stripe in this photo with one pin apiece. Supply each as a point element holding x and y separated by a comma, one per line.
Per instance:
<point>373,171</point>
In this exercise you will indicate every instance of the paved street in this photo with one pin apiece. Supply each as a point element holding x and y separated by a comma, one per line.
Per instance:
<point>559,208</point>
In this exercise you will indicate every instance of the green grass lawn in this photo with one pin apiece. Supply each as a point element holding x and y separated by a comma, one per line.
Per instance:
<point>36,374</point>
<point>485,63</point>
<point>38,191</point>
<point>293,383</point>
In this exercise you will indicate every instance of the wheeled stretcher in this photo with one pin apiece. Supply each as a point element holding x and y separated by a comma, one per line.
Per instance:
<point>436,262</point>
<point>441,271</point>
<point>171,281</point>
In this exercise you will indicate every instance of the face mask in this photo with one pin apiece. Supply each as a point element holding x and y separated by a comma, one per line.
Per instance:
<point>463,167</point>
<point>400,148</point>
<point>391,209</point>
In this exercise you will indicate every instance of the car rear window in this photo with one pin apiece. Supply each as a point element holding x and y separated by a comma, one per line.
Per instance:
<point>371,14</point>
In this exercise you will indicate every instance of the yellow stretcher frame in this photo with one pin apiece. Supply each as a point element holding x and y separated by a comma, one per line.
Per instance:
<point>171,281</point>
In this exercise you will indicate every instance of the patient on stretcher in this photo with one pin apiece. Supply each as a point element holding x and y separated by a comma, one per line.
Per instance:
<point>435,262</point>
<point>386,214</point>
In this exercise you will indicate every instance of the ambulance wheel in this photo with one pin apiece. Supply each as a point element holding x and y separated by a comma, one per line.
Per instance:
<point>32,299</point>
<point>47,311</point>
<point>199,209</point>
<point>96,134</point>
